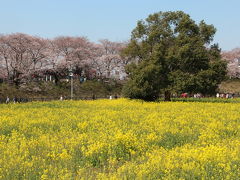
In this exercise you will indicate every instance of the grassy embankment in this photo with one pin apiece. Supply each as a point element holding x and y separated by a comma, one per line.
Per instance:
<point>87,89</point>
<point>51,90</point>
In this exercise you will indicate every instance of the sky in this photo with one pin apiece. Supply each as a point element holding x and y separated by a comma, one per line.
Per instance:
<point>113,19</point>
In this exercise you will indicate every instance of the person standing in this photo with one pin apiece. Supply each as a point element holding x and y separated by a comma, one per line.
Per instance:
<point>227,96</point>
<point>7,100</point>
<point>14,100</point>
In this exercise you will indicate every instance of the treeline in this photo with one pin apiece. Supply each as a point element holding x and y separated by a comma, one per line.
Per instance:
<point>168,53</point>
<point>24,57</point>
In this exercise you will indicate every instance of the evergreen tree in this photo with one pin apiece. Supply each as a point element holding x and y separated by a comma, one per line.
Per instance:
<point>172,54</point>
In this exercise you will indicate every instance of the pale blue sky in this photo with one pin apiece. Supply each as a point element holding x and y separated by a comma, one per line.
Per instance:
<point>113,19</point>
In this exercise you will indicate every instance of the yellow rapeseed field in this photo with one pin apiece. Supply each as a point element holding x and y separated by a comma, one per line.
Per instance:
<point>119,139</point>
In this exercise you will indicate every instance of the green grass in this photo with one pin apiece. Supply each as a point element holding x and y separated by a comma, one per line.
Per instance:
<point>99,89</point>
<point>50,90</point>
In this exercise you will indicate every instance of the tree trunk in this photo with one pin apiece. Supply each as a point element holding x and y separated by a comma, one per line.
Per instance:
<point>8,73</point>
<point>16,78</point>
<point>56,78</point>
<point>167,96</point>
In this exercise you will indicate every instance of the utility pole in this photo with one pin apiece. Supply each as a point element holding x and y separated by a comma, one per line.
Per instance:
<point>71,87</point>
<point>71,76</point>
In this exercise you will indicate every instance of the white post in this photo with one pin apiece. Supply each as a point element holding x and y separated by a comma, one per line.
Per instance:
<point>71,75</point>
<point>71,87</point>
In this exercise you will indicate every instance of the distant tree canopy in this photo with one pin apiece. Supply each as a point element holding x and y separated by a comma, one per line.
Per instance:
<point>172,54</point>
<point>233,62</point>
<point>24,56</point>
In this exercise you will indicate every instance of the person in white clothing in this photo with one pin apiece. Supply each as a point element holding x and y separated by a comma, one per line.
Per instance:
<point>7,100</point>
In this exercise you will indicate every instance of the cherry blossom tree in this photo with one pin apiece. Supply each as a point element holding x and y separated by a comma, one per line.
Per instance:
<point>38,52</point>
<point>18,58</point>
<point>75,52</point>
<point>4,58</point>
<point>67,53</point>
<point>109,58</point>
<point>233,59</point>
<point>24,56</point>
<point>84,52</point>
<point>21,55</point>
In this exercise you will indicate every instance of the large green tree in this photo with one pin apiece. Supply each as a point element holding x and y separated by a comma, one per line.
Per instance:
<point>172,54</point>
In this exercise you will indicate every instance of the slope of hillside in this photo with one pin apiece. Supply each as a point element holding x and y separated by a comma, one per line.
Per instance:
<point>230,86</point>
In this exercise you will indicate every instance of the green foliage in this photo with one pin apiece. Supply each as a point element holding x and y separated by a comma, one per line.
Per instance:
<point>144,83</point>
<point>10,91</point>
<point>52,90</point>
<point>172,57</point>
